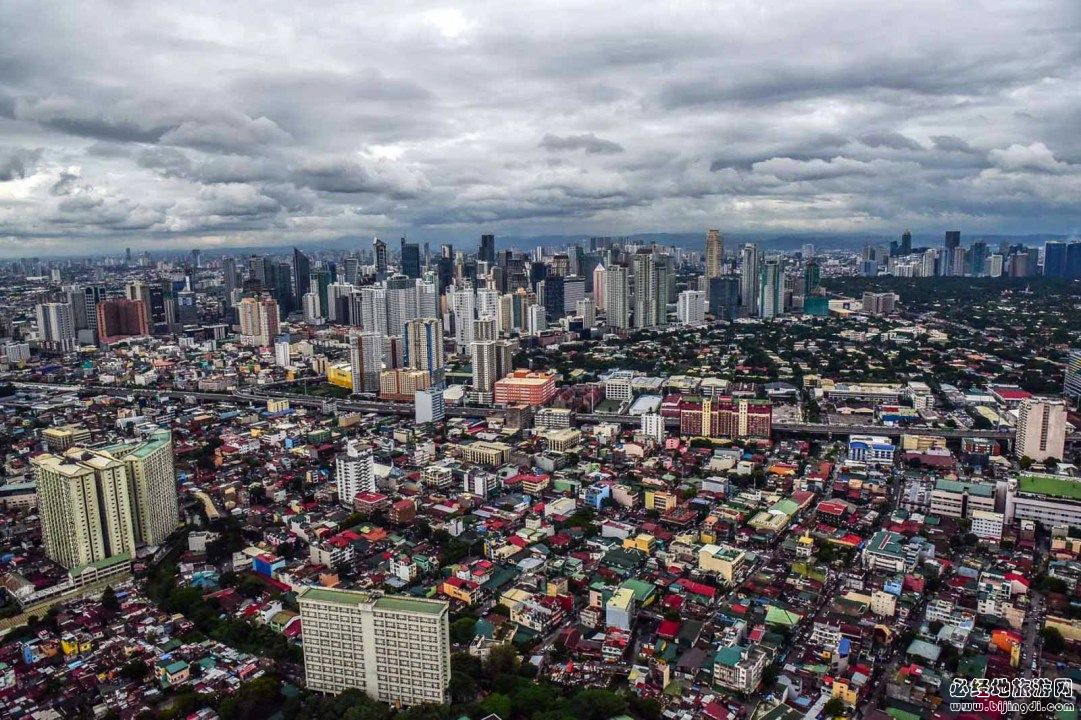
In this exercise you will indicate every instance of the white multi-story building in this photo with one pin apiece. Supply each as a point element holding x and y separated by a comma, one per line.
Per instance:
<point>281,353</point>
<point>394,648</point>
<point>653,426</point>
<point>429,406</point>
<point>872,449</point>
<point>987,525</point>
<point>536,319</point>
<point>617,297</point>
<point>586,310</point>
<point>691,307</point>
<point>354,472</point>
<point>56,324</point>
<point>1041,429</point>
<point>258,321</point>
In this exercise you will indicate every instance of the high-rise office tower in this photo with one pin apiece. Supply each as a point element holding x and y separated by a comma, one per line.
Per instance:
<point>714,254</point>
<point>617,292</point>
<point>379,248</point>
<point>995,266</point>
<point>906,243</point>
<point>230,279</point>
<point>259,322</point>
<point>351,269</point>
<point>279,283</point>
<point>121,318</point>
<point>1073,259</point>
<point>536,319</point>
<point>1072,385</point>
<point>486,253</point>
<point>410,259</point>
<point>394,648</point>
<point>56,324</point>
<point>1054,259</point>
<point>354,472</point>
<point>401,303</point>
<point>691,307</point>
<point>302,271</point>
<point>724,297</point>
<point>552,297</point>
<point>749,279</point>
<point>771,289</point>
<point>424,346</point>
<point>257,270</point>
<point>598,286</point>
<point>812,277</point>
<point>1041,429</point>
<point>953,239</point>
<point>366,360</point>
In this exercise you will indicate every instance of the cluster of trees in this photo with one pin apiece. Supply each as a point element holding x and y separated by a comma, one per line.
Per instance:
<point>161,587</point>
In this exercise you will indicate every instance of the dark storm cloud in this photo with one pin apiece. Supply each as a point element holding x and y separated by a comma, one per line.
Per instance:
<point>182,124</point>
<point>588,142</point>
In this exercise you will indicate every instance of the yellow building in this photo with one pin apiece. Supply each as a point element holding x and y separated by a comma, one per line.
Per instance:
<point>341,375</point>
<point>660,500</point>
<point>643,541</point>
<point>722,560</point>
<point>844,692</point>
<point>563,440</point>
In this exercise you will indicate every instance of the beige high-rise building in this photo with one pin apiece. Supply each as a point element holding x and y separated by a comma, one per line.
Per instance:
<point>152,483</point>
<point>394,648</point>
<point>258,321</point>
<point>714,253</point>
<point>85,507</point>
<point>617,297</point>
<point>96,504</point>
<point>1041,429</point>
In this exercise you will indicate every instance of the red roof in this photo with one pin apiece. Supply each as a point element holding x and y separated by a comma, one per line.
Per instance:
<point>668,629</point>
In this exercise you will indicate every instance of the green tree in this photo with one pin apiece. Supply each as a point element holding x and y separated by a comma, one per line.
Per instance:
<point>833,707</point>
<point>109,601</point>
<point>1052,640</point>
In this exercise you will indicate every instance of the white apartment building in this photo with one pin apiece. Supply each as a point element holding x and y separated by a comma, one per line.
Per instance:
<point>1041,429</point>
<point>394,648</point>
<point>354,472</point>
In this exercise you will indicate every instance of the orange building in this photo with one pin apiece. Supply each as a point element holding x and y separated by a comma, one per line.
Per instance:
<point>524,387</point>
<point>120,318</point>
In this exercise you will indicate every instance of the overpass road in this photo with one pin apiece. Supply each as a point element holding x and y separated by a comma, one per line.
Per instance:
<point>384,407</point>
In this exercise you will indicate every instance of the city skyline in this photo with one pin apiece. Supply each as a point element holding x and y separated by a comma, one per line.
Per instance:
<point>164,129</point>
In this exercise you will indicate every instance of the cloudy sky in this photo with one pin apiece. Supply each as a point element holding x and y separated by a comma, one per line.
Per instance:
<point>179,124</point>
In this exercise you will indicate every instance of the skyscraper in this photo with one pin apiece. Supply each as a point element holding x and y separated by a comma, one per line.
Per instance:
<point>258,321</point>
<point>366,360</point>
<point>230,280</point>
<point>121,318</point>
<point>906,243</point>
<point>724,297</point>
<point>749,279</point>
<point>771,289</point>
<point>1072,385</point>
<point>152,485</point>
<point>424,346</point>
<point>691,307</point>
<point>486,253</point>
<point>1054,259</point>
<point>812,277</point>
<point>617,291</point>
<point>952,240</point>
<point>302,271</point>
<point>650,304</point>
<point>56,325</point>
<point>394,648</point>
<point>714,254</point>
<point>401,303</point>
<point>1041,429</point>
<point>598,286</point>
<point>492,361</point>
<point>553,297</point>
<point>85,507</point>
<point>379,248</point>
<point>410,259</point>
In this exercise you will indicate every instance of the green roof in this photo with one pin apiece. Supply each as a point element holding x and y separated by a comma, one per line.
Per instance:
<point>1051,485</point>
<point>978,489</point>
<point>400,603</point>
<point>780,616</point>
<point>102,564</point>
<point>641,588</point>
<point>728,656</point>
<point>340,597</point>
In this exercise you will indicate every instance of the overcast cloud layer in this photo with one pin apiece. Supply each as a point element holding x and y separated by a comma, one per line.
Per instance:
<point>176,124</point>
